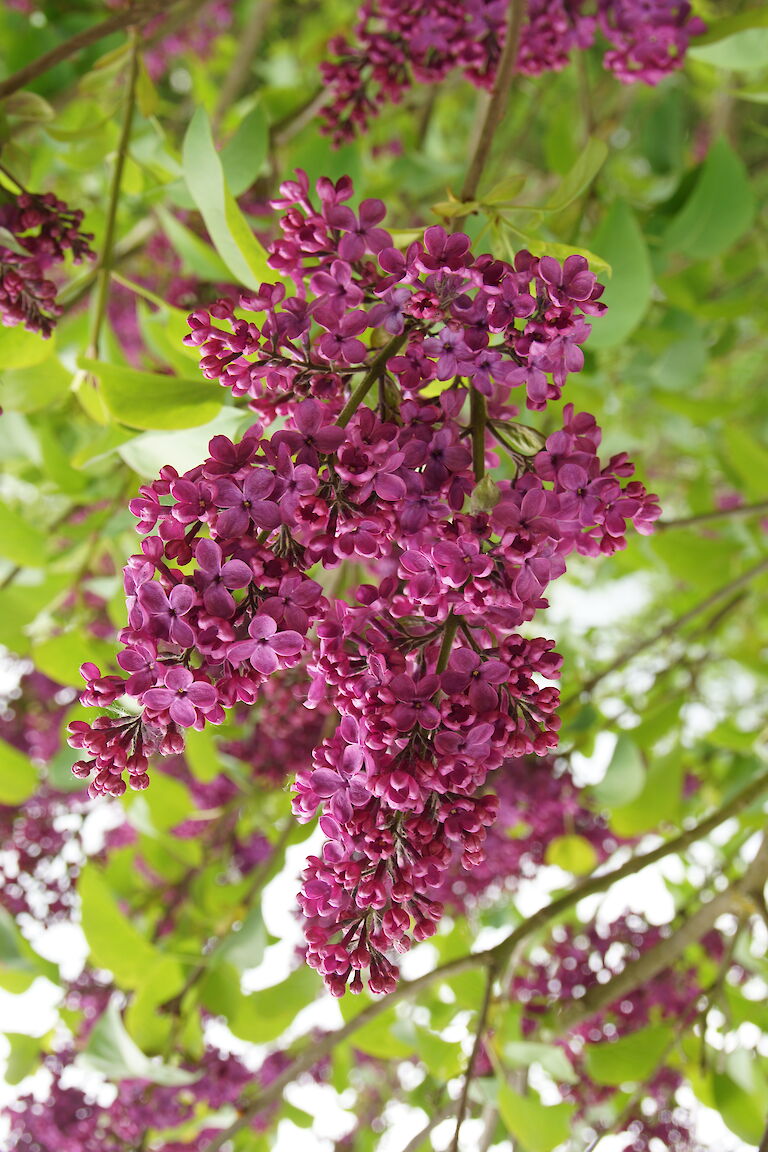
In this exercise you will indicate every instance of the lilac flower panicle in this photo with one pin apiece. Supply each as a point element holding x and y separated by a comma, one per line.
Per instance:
<point>434,688</point>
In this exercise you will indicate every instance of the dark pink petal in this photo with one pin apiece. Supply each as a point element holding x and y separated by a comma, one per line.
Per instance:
<point>178,678</point>
<point>182,712</point>
<point>264,660</point>
<point>182,597</point>
<point>287,643</point>
<point>208,555</point>
<point>236,574</point>
<point>259,483</point>
<point>262,627</point>
<point>157,698</point>
<point>202,695</point>
<point>325,782</point>
<point>241,650</point>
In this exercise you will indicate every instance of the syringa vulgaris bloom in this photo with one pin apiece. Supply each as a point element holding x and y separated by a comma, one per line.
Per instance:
<point>396,375</point>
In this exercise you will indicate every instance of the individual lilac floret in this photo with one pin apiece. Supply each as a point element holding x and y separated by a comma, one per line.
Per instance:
<point>183,697</point>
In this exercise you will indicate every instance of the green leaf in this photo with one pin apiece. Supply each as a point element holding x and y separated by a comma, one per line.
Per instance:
<point>631,1058</point>
<point>19,963</point>
<point>719,210</point>
<point>658,801</point>
<point>755,17</point>
<point>151,400</point>
<point>244,946</point>
<point>586,168</point>
<point>23,1058</point>
<point>231,234</point>
<point>538,1127</point>
<point>628,292</point>
<point>742,1111</point>
<point>196,256</point>
<point>264,1015</point>
<point>114,942</point>
<point>522,438</point>
<point>18,775</point>
<point>523,1053</point>
<point>572,854</point>
<point>748,458</point>
<point>146,454</point>
<point>21,542</point>
<point>28,105</point>
<point>112,1052</point>
<point>30,389</point>
<point>739,50</point>
<point>60,656</point>
<point>244,155</point>
<point>151,1028</point>
<point>624,776</point>
<point>20,348</point>
<point>505,191</point>
<point>378,1038</point>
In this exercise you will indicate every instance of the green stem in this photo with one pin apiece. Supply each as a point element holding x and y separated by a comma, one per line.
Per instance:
<point>449,635</point>
<point>499,96</point>
<point>363,388</point>
<point>105,260</point>
<point>13,179</point>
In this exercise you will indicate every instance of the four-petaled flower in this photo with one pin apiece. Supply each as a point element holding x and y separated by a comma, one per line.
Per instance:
<point>214,578</point>
<point>267,648</point>
<point>182,696</point>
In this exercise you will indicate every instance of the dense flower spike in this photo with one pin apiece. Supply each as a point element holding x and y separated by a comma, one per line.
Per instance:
<point>36,232</point>
<point>433,685</point>
<point>397,43</point>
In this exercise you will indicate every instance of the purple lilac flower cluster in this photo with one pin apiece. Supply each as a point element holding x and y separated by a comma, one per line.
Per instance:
<point>194,37</point>
<point>397,43</point>
<point>433,684</point>
<point>577,960</point>
<point>40,230</point>
<point>70,1120</point>
<point>41,847</point>
<point>41,857</point>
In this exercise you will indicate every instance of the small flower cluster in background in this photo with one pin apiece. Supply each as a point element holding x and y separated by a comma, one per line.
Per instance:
<point>36,232</point>
<point>397,43</point>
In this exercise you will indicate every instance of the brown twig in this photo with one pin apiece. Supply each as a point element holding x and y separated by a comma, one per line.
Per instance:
<point>468,1075</point>
<point>499,96</point>
<point>137,14</point>
<point>105,259</point>
<point>668,950</point>
<point>713,514</point>
<point>667,629</point>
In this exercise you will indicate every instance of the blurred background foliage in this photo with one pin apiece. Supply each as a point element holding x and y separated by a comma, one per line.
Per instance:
<point>664,683</point>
